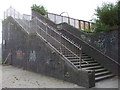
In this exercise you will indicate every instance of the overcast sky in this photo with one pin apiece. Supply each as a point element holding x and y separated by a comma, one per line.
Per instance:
<point>79,9</point>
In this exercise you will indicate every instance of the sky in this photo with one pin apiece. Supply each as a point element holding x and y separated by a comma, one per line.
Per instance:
<point>78,9</point>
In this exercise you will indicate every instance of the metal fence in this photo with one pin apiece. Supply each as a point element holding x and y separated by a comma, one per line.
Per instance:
<point>79,24</point>
<point>47,32</point>
<point>15,14</point>
<point>58,41</point>
<point>22,19</point>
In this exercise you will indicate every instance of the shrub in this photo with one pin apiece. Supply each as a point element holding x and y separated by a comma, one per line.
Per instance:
<point>107,17</point>
<point>39,9</point>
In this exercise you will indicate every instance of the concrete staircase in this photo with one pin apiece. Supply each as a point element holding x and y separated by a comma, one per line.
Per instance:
<point>80,60</point>
<point>88,63</point>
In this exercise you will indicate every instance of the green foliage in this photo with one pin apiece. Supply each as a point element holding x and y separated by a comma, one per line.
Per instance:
<point>107,17</point>
<point>7,19</point>
<point>87,30</point>
<point>39,9</point>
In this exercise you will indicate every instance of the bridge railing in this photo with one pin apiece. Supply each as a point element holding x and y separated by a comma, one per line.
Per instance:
<point>79,24</point>
<point>15,14</point>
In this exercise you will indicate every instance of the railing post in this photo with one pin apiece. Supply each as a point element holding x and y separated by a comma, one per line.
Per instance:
<point>61,43</point>
<point>46,31</point>
<point>79,24</point>
<point>4,15</point>
<point>54,18</point>
<point>68,20</point>
<point>89,25</point>
<point>14,13</point>
<point>62,19</point>
<point>74,22</point>
<point>84,24</point>
<point>80,57</point>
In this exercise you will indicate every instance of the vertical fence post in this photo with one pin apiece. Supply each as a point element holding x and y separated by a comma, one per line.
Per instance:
<point>4,15</point>
<point>54,18</point>
<point>89,26</point>
<point>80,56</point>
<point>68,20</point>
<point>74,22</point>
<point>84,24</point>
<point>10,11</point>
<point>14,13</point>
<point>79,24</point>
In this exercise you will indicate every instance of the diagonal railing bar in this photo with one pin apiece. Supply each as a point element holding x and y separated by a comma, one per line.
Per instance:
<point>56,50</point>
<point>53,29</point>
<point>57,42</point>
<point>58,34</point>
<point>30,27</point>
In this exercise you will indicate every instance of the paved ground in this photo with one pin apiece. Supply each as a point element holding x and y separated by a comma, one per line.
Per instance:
<point>13,77</point>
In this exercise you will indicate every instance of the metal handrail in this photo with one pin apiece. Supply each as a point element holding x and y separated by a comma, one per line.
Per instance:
<point>56,50</point>
<point>19,19</point>
<point>57,33</point>
<point>21,26</point>
<point>52,45</point>
<point>92,47</point>
<point>61,44</point>
<point>79,57</point>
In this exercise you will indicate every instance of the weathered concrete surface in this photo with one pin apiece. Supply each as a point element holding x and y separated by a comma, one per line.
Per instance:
<point>0,76</point>
<point>14,77</point>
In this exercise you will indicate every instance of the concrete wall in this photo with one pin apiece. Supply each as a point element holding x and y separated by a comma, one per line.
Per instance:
<point>103,47</point>
<point>32,53</point>
<point>109,58</point>
<point>107,42</point>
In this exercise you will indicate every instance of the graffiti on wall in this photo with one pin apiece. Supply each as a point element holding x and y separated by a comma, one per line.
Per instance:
<point>32,56</point>
<point>20,54</point>
<point>101,44</point>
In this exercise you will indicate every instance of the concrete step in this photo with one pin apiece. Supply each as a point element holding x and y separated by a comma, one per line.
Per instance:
<point>92,68</point>
<point>100,70</point>
<point>103,77</point>
<point>69,55</point>
<point>77,62</point>
<point>103,73</point>
<point>72,58</point>
<point>85,57</point>
<point>92,61</point>
<point>88,59</point>
<point>83,54</point>
<point>90,65</point>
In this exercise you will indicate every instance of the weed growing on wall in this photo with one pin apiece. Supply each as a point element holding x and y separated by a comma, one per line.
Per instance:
<point>41,9</point>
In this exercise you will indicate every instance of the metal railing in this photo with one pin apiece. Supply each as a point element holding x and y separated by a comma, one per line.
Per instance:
<point>51,35</point>
<point>59,41</point>
<point>22,19</point>
<point>15,14</point>
<point>79,24</point>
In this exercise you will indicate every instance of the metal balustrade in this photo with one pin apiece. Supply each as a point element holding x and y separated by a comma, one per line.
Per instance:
<point>50,34</point>
<point>79,24</point>
<point>56,39</point>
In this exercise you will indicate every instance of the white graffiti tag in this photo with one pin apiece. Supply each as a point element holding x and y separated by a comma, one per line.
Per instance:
<point>32,56</point>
